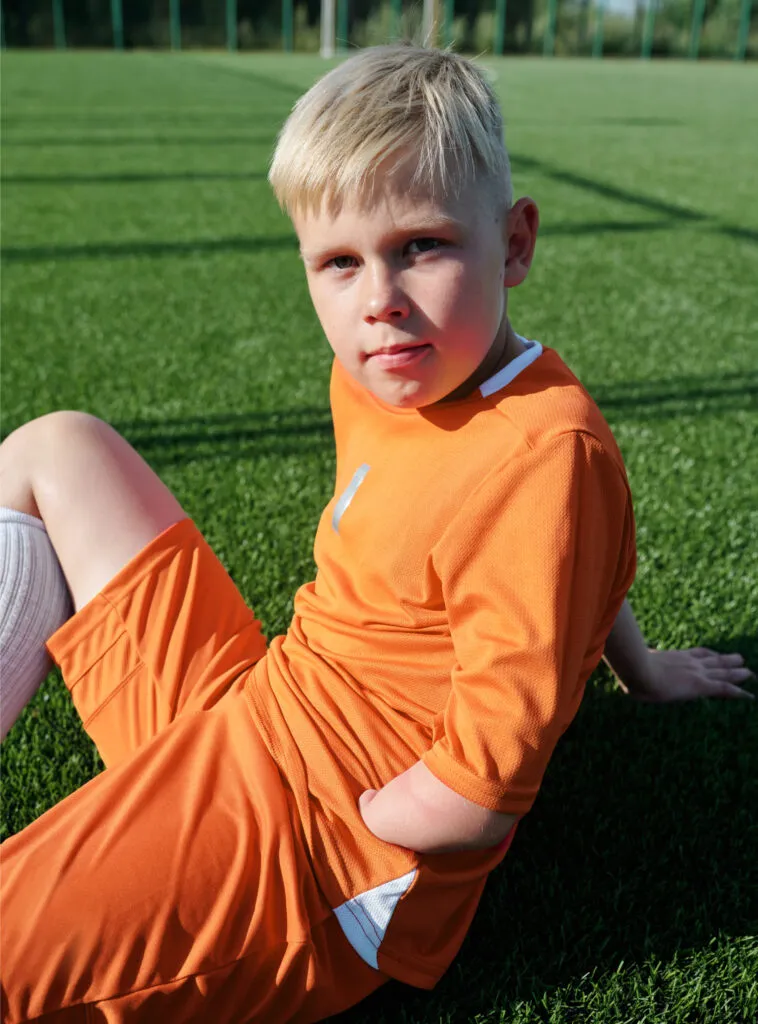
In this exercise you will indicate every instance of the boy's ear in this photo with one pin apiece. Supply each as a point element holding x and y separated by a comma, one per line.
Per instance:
<point>521,227</point>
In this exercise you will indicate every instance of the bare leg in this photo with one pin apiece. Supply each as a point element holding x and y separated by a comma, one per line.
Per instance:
<point>99,500</point>
<point>76,504</point>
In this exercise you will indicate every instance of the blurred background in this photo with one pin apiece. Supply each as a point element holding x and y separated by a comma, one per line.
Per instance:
<point>692,28</point>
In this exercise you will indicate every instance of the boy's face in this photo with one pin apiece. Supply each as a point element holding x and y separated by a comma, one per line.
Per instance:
<point>411,290</point>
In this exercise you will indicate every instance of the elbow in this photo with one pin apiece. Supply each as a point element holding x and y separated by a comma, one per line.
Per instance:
<point>496,831</point>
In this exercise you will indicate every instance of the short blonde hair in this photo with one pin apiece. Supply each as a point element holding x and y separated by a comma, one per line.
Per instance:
<point>391,107</point>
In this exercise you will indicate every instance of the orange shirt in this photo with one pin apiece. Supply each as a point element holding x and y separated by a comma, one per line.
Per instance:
<point>470,567</point>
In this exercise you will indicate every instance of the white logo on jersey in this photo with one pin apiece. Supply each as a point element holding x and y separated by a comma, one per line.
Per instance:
<point>347,495</point>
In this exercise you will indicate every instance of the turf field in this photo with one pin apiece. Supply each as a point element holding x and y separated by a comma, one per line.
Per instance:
<point>149,278</point>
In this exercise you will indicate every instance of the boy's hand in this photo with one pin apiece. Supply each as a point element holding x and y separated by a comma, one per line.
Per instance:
<point>688,675</point>
<point>417,811</point>
<point>663,676</point>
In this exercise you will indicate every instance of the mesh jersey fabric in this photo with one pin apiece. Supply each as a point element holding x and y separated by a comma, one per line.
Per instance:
<point>469,568</point>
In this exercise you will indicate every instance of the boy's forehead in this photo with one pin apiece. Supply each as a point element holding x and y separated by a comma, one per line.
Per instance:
<point>393,181</point>
<point>394,200</point>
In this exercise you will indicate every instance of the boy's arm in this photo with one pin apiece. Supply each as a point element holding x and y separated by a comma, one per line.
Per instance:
<point>524,595</point>
<point>663,676</point>
<point>419,812</point>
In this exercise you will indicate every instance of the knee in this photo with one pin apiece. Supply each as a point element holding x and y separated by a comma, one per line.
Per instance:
<point>22,453</point>
<point>42,453</point>
<point>50,438</point>
<point>39,434</point>
<point>67,422</point>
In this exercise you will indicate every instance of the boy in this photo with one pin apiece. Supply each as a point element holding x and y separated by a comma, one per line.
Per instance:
<point>279,831</point>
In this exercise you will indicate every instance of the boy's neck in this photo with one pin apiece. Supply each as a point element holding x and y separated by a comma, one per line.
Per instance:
<point>504,349</point>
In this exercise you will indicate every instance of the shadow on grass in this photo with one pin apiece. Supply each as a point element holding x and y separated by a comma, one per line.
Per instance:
<point>131,177</point>
<point>641,122</point>
<point>641,845</point>
<point>109,139</point>
<point>605,227</point>
<point>146,249</point>
<point>121,117</point>
<point>250,434</point>
<point>673,210</point>
<point>742,234</point>
<point>242,71</point>
<point>679,396</point>
<point>230,435</point>
<point>587,184</point>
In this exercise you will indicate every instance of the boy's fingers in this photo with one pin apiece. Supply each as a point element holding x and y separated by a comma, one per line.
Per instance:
<point>729,675</point>
<point>740,675</point>
<point>730,691</point>
<point>366,797</point>
<point>732,659</point>
<point>714,657</point>
<point>703,652</point>
<point>724,666</point>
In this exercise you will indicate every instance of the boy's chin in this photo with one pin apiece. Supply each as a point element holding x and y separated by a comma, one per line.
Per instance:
<point>405,392</point>
<point>421,397</point>
<point>406,396</point>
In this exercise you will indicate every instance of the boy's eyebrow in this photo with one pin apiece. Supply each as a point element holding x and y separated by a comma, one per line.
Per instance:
<point>411,229</point>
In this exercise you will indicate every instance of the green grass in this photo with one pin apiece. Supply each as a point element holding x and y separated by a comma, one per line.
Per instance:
<point>149,278</point>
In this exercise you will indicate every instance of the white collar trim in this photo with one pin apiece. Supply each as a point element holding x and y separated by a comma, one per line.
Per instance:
<point>503,377</point>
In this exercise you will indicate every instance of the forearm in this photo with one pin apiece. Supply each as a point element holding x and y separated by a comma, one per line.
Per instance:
<point>626,650</point>
<point>417,811</point>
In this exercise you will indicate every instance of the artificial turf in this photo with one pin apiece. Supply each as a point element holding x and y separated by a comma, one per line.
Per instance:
<point>149,278</point>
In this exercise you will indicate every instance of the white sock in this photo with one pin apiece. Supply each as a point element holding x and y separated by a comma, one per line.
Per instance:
<point>34,602</point>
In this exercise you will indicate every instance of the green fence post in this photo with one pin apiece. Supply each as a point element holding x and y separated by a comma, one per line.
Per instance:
<point>698,13</point>
<point>744,31</point>
<point>175,25</point>
<point>597,39</point>
<point>548,47</point>
<point>396,18</point>
<point>288,26</point>
<point>343,25</point>
<point>59,25</point>
<point>648,29</point>
<point>447,32</point>
<point>117,17</point>
<point>231,25</point>
<point>500,15</point>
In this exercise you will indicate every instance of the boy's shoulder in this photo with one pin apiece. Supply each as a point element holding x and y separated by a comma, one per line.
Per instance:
<point>546,400</point>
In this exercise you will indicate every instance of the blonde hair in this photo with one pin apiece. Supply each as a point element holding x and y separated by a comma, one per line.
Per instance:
<point>390,108</point>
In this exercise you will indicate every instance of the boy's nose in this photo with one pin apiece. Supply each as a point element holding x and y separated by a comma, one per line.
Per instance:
<point>385,299</point>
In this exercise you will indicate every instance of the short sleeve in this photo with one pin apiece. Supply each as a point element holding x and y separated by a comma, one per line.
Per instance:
<point>534,569</point>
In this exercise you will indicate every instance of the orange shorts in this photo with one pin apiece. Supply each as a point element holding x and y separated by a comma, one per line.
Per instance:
<point>176,885</point>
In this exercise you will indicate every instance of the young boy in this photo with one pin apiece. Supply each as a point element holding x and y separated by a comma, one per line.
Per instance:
<point>279,831</point>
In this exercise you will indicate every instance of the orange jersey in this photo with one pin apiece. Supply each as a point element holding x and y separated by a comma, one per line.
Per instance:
<point>470,567</point>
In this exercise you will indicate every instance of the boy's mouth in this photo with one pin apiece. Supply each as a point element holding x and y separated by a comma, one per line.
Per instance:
<point>393,357</point>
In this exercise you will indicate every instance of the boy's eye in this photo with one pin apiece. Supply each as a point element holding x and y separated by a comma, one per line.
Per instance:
<point>342,262</point>
<point>419,245</point>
